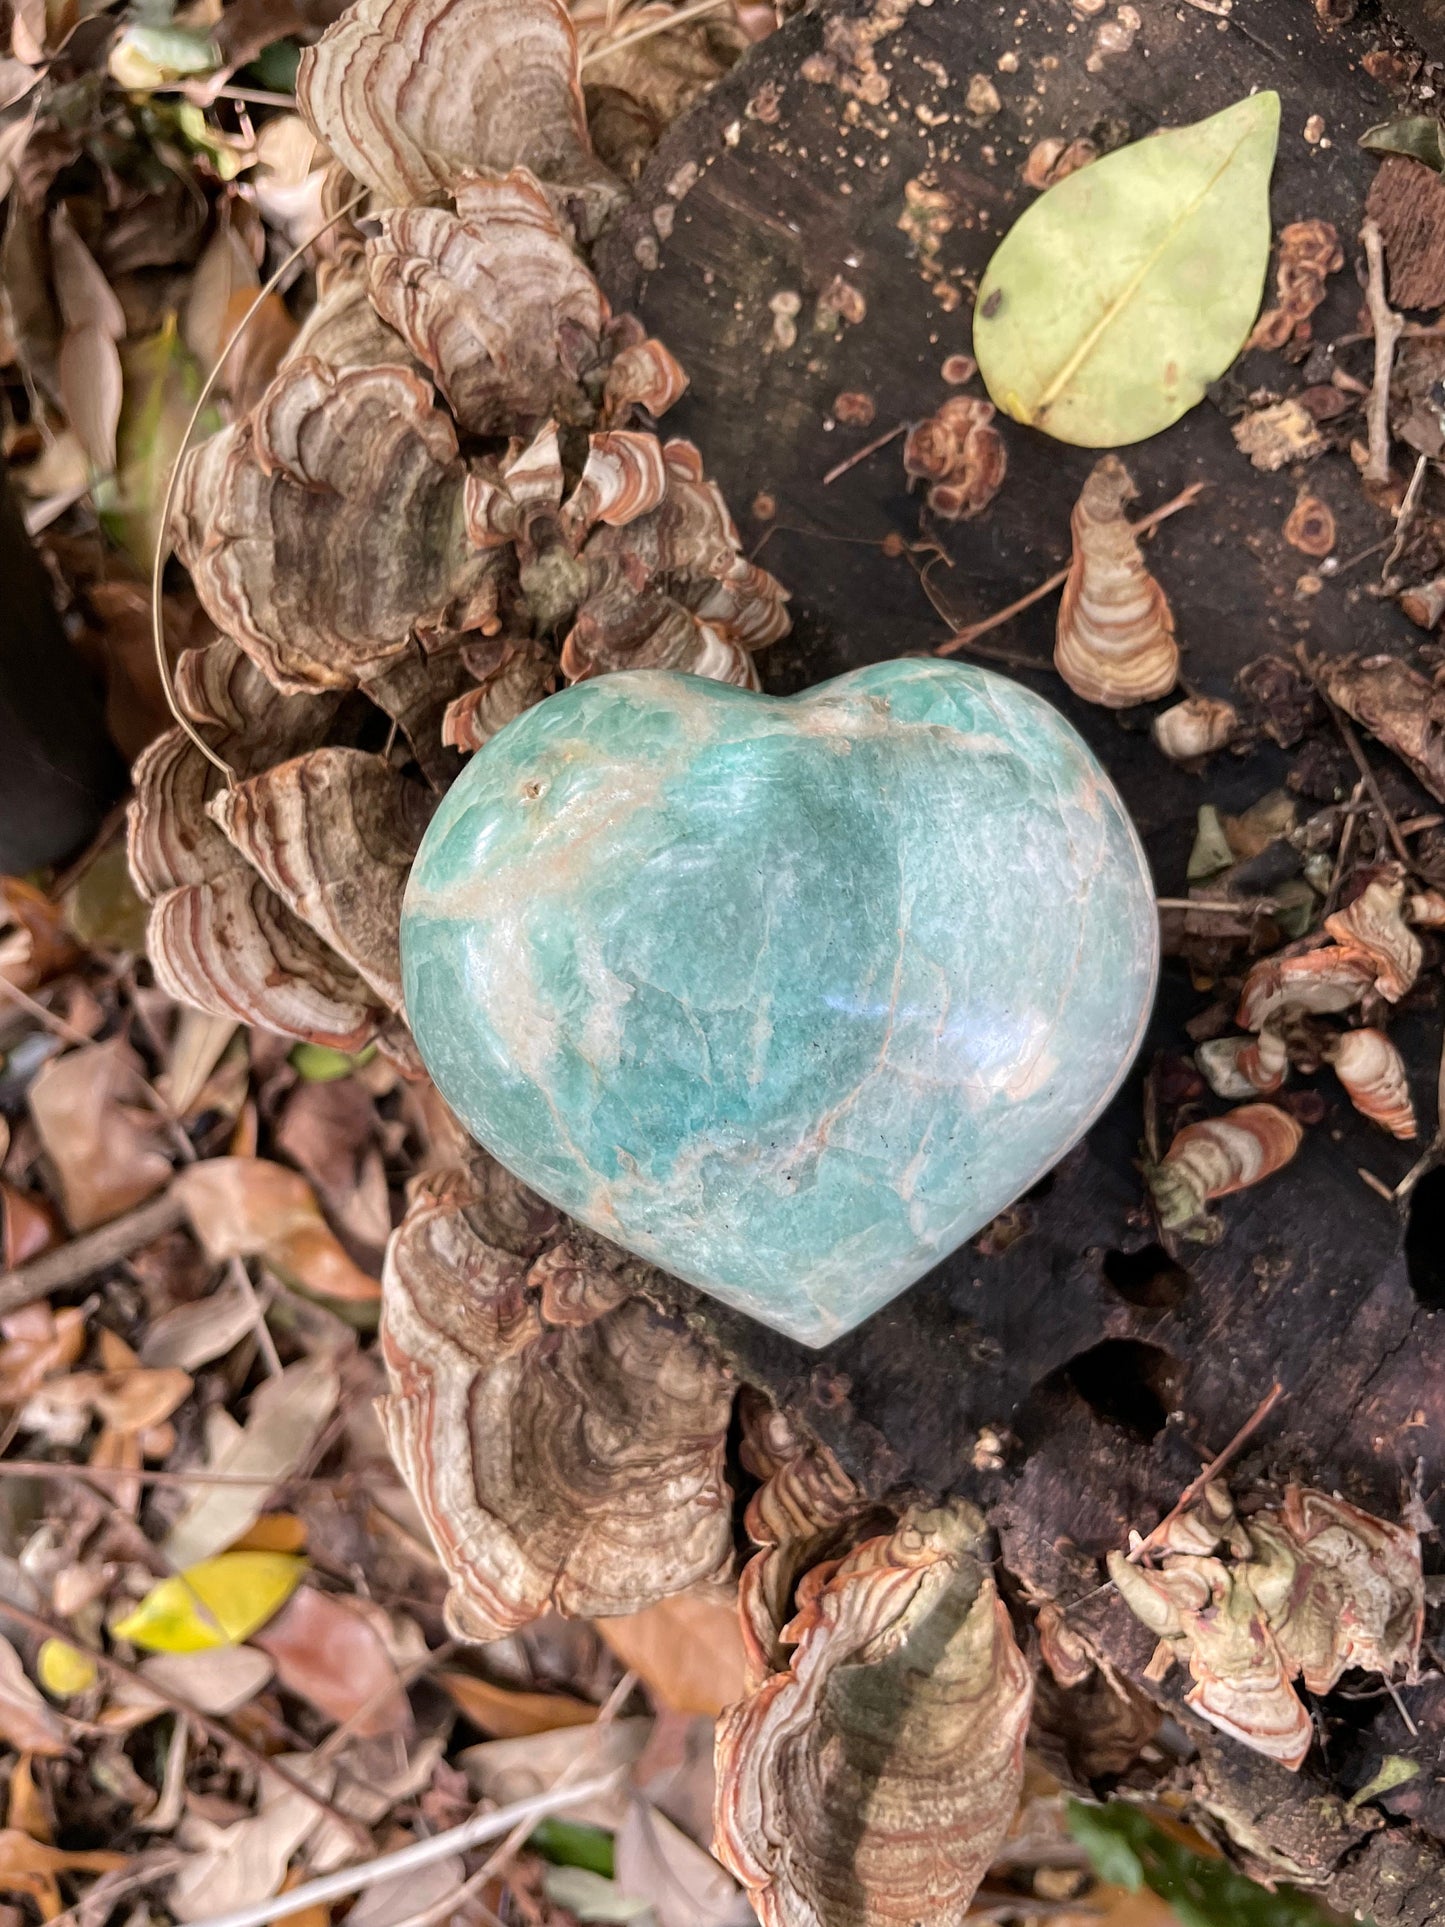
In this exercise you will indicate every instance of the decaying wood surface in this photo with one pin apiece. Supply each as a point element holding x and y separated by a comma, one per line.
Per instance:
<point>1072,1381</point>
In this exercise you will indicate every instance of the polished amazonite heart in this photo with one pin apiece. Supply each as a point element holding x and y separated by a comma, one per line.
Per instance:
<point>787,996</point>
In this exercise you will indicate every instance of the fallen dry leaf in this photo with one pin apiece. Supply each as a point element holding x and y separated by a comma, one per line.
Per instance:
<point>236,1865</point>
<point>195,1334</point>
<point>218,1603</point>
<point>29,1867</point>
<point>509,1715</point>
<point>217,1682</point>
<point>26,1722</point>
<point>85,1106</point>
<point>251,1208</point>
<point>37,1343</point>
<point>27,1227</point>
<point>330,1132</point>
<point>686,1887</point>
<point>286,1417</point>
<point>329,1650</point>
<point>506,1770</point>
<point>688,1650</point>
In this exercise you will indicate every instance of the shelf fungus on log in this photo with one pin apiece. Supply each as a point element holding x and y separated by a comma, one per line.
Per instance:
<point>1373,1073</point>
<point>873,1779</point>
<point>1220,1155</point>
<point>1195,728</point>
<point>412,96</point>
<point>1115,639</point>
<point>1328,979</point>
<point>277,521</point>
<point>219,936</point>
<point>1374,925</point>
<point>1305,1592</point>
<point>563,1439</point>
<point>960,454</point>
<point>495,302</point>
<point>344,330</point>
<point>1240,1068</point>
<point>334,833</point>
<point>673,590</point>
<point>510,678</point>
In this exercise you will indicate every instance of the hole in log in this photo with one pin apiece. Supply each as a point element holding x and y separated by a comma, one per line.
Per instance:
<point>1425,1241</point>
<point>1126,1383</point>
<point>1148,1278</point>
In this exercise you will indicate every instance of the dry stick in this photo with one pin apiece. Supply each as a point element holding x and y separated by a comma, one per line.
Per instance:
<point>73,1263</point>
<point>1183,500</point>
<point>1211,1471</point>
<point>266,1344</point>
<point>1342,855</point>
<point>1368,777</point>
<point>58,1026</point>
<point>1387,334</point>
<point>1430,1156</point>
<point>1404,516</point>
<point>495,1862</point>
<point>98,1475</point>
<point>1218,906</point>
<point>678,19</point>
<point>515,1821</point>
<point>862,454</point>
<point>46,1628</point>
<point>163,545</point>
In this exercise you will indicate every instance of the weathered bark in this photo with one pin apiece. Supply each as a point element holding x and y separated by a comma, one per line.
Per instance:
<point>1108,1367</point>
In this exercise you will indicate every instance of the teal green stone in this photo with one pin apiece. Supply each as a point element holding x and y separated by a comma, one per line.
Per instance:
<point>788,996</point>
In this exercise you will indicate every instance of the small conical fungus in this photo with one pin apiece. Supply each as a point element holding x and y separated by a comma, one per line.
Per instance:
<point>1220,1155</point>
<point>1115,639</point>
<point>1373,1072</point>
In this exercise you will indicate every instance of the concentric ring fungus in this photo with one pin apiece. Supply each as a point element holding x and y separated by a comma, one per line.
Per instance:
<point>873,1778</point>
<point>412,96</point>
<point>1115,641</point>
<point>1306,1592</point>
<point>563,1439</point>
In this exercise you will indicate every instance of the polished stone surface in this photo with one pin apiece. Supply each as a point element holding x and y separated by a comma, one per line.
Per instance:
<point>788,996</point>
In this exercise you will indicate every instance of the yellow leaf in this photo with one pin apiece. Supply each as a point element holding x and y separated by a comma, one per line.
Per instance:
<point>63,1669</point>
<point>220,1602</point>
<point>273,1532</point>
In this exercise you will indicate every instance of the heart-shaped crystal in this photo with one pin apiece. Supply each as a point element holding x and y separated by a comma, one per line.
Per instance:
<point>789,996</point>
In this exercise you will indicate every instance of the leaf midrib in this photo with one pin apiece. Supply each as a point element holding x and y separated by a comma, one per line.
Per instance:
<point>1131,287</point>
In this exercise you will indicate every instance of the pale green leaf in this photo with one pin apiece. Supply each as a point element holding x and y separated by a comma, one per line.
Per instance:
<point>162,382</point>
<point>1115,300</point>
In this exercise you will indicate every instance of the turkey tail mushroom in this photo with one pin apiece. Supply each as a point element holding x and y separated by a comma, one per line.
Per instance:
<point>414,96</point>
<point>495,301</point>
<point>1375,924</point>
<point>1221,1155</point>
<point>563,1440</point>
<point>1373,1073</point>
<point>872,1781</point>
<point>1115,640</point>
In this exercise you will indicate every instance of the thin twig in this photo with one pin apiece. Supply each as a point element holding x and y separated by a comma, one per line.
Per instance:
<point>73,1263</point>
<point>266,1344</point>
<point>1377,1185</point>
<point>1211,1471</point>
<point>515,1821</point>
<point>1404,516</point>
<point>100,1475</point>
<point>46,1628</point>
<point>421,1853</point>
<point>862,454</point>
<point>1371,782</point>
<point>961,640</point>
<point>471,1888</point>
<point>1387,325</point>
<point>1218,906</point>
<point>1342,855</point>
<point>678,19</point>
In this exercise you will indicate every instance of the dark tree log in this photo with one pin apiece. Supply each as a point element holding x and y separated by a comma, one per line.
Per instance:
<point>59,772</point>
<point>1109,1367</point>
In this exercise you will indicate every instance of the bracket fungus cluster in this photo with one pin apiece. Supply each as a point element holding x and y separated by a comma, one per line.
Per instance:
<point>563,1439</point>
<point>1305,1592</point>
<point>451,495</point>
<point>1115,642</point>
<point>872,1771</point>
